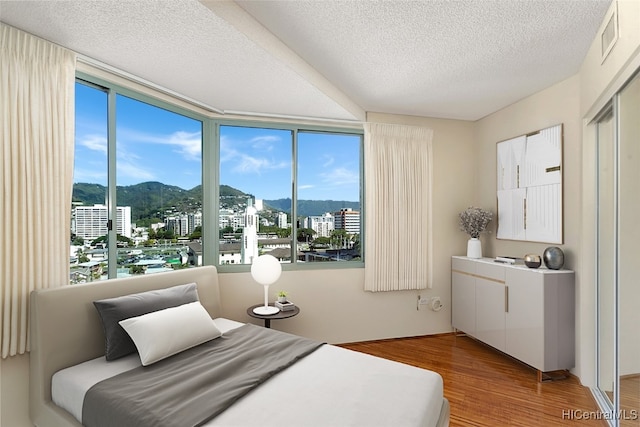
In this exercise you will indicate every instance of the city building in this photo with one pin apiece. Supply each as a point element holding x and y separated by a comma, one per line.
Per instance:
<point>250,234</point>
<point>183,224</point>
<point>323,224</point>
<point>282,220</point>
<point>90,222</point>
<point>347,219</point>
<point>231,218</point>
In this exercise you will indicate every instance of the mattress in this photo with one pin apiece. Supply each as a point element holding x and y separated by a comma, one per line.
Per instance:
<point>331,386</point>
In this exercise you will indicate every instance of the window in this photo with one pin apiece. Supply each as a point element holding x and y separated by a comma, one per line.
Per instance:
<point>157,169</point>
<point>328,197</point>
<point>144,197</point>
<point>261,211</point>
<point>255,194</point>
<point>89,216</point>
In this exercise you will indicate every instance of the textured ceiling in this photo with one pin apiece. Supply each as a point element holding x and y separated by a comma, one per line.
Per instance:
<point>329,59</point>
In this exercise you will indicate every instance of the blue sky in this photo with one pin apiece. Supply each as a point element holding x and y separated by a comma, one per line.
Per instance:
<point>157,145</point>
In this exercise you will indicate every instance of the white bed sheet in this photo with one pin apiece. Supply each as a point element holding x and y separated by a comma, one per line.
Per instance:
<point>68,386</point>
<point>345,388</point>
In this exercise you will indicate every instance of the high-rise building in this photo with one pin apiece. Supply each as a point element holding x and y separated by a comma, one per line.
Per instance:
<point>282,220</point>
<point>323,224</point>
<point>90,222</point>
<point>172,223</point>
<point>249,248</point>
<point>195,220</point>
<point>183,224</point>
<point>348,220</point>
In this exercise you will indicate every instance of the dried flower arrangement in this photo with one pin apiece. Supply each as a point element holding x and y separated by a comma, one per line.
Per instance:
<point>474,221</point>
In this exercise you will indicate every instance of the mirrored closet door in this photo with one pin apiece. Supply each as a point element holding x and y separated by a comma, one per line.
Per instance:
<point>606,219</point>
<point>618,260</point>
<point>629,254</point>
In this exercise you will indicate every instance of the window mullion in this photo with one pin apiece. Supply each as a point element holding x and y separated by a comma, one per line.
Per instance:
<point>210,191</point>
<point>112,208</point>
<point>294,197</point>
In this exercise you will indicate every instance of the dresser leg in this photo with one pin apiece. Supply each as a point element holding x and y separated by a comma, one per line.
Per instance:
<point>552,375</point>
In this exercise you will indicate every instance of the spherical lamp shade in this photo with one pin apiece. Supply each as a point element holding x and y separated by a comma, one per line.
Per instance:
<point>266,270</point>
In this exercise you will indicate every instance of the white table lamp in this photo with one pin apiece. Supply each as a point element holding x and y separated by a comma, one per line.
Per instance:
<point>266,270</point>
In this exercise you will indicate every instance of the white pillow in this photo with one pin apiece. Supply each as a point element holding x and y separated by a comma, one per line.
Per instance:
<point>163,333</point>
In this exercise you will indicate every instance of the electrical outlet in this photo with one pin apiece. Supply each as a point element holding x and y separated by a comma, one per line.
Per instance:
<point>424,301</point>
<point>436,304</point>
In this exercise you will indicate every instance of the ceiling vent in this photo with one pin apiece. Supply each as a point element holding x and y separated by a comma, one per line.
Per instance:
<point>609,34</point>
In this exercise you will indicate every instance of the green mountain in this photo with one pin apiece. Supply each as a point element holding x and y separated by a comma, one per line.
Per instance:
<point>312,207</point>
<point>156,200</point>
<point>147,199</point>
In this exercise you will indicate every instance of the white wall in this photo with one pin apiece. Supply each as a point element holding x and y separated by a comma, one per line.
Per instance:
<point>572,102</point>
<point>14,392</point>
<point>600,80</point>
<point>558,104</point>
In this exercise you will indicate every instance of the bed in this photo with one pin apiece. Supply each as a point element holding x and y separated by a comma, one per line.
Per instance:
<point>322,385</point>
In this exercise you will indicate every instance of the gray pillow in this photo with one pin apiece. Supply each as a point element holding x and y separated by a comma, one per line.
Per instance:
<point>112,310</point>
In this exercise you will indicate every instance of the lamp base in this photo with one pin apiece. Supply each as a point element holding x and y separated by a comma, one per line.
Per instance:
<point>266,310</point>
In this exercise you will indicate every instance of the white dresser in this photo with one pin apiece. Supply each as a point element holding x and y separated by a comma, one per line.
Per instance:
<point>526,313</point>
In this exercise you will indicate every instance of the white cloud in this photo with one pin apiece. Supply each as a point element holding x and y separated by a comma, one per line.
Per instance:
<point>328,161</point>
<point>131,170</point>
<point>257,165</point>
<point>131,166</point>
<point>187,144</point>
<point>94,143</point>
<point>341,176</point>
<point>244,163</point>
<point>264,142</point>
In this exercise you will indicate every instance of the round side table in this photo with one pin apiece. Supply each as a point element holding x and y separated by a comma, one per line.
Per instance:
<point>269,317</point>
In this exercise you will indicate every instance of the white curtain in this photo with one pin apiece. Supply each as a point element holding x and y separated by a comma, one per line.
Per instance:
<point>37,81</point>
<point>398,175</point>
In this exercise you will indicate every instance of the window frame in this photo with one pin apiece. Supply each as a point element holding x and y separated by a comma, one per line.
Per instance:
<point>295,130</point>
<point>210,155</point>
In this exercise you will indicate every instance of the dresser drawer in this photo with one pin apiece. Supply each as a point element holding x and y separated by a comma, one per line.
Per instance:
<point>492,271</point>
<point>463,265</point>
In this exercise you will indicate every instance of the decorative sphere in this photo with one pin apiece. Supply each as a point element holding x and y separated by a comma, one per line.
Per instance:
<point>553,258</point>
<point>266,269</point>
<point>532,260</point>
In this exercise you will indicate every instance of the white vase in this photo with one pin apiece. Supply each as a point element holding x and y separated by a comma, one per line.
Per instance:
<point>474,248</point>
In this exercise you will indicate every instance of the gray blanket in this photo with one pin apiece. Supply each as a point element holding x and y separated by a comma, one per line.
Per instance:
<point>194,386</point>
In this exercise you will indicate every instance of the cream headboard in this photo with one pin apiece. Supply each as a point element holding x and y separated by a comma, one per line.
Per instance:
<point>66,329</point>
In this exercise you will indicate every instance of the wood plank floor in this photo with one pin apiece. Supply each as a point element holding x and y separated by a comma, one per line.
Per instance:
<point>487,388</point>
<point>630,400</point>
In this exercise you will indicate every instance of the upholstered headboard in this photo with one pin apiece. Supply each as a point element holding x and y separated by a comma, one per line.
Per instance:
<point>66,329</point>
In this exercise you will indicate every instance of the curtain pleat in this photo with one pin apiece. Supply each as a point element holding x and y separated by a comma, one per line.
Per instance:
<point>398,175</point>
<point>37,83</point>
